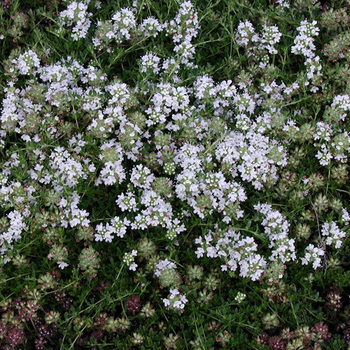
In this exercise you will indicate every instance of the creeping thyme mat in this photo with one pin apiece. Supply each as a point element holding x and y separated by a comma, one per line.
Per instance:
<point>174,175</point>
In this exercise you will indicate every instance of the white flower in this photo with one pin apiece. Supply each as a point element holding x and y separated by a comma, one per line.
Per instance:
<point>304,42</point>
<point>151,27</point>
<point>150,63</point>
<point>27,61</point>
<point>77,15</point>
<point>333,234</point>
<point>164,265</point>
<point>245,34</point>
<point>345,215</point>
<point>313,255</point>
<point>62,265</point>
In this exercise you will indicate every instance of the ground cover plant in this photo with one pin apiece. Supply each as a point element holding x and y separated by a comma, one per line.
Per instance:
<point>174,175</point>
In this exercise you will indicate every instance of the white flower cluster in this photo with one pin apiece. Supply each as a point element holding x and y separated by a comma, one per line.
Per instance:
<point>304,45</point>
<point>204,87</point>
<point>123,26</point>
<point>342,104</point>
<point>304,42</point>
<point>68,171</point>
<point>150,27</point>
<point>313,255</point>
<point>313,71</point>
<point>129,259</point>
<point>123,22</point>
<point>126,201</point>
<point>174,228</point>
<point>120,94</point>
<point>258,45</point>
<point>333,234</point>
<point>14,194</point>
<point>333,141</point>
<point>167,99</point>
<point>61,81</point>
<point>206,192</point>
<point>235,250</point>
<point>282,3</point>
<point>112,157</point>
<point>157,213</point>
<point>175,300</point>
<point>26,62</point>
<point>254,156</point>
<point>141,176</point>
<point>150,63</point>
<point>225,95</point>
<point>79,217</point>
<point>12,233</point>
<point>276,227</point>
<point>77,15</point>
<point>324,155</point>
<point>117,226</point>
<point>323,131</point>
<point>72,215</point>
<point>183,28</point>
<point>270,37</point>
<point>345,217</point>
<point>245,34</point>
<point>164,265</point>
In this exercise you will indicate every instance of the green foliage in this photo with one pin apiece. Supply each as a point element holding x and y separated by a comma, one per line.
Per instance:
<point>66,284</point>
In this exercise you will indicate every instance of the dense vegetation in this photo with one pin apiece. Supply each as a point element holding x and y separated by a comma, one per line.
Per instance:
<point>174,175</point>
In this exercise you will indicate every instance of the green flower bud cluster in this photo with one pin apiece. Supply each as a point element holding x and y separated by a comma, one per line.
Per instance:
<point>203,202</point>
<point>100,128</point>
<point>336,204</point>
<point>306,132</point>
<point>340,143</point>
<point>129,136</point>
<point>169,278</point>
<point>195,273</point>
<point>163,186</point>
<point>338,48</point>
<point>321,203</point>
<point>89,262</point>
<point>303,231</point>
<point>118,324</point>
<point>218,127</point>
<point>146,248</point>
<point>270,320</point>
<point>139,119</point>
<point>102,33</point>
<point>46,281</point>
<point>52,317</point>
<point>339,173</point>
<point>161,139</point>
<point>59,254</point>
<point>333,19</point>
<point>240,297</point>
<point>169,168</point>
<point>212,282</point>
<point>52,198</point>
<point>147,311</point>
